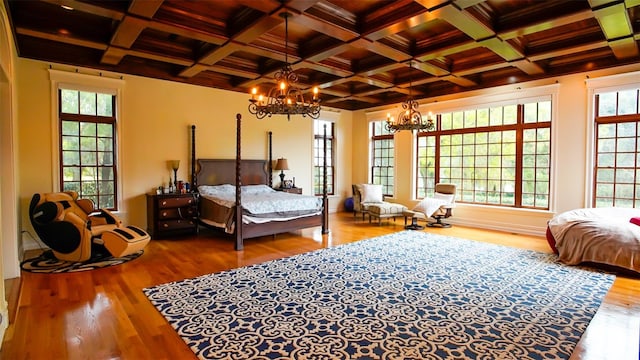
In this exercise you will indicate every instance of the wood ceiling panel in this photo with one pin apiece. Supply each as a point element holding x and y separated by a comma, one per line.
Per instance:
<point>357,52</point>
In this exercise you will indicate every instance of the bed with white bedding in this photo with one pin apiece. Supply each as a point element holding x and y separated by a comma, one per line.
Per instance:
<point>609,236</point>
<point>261,204</point>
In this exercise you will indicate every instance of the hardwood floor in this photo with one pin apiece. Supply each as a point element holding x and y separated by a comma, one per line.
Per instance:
<point>103,314</point>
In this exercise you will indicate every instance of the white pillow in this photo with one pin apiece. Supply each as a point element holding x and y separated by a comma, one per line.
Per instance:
<point>371,193</point>
<point>448,198</point>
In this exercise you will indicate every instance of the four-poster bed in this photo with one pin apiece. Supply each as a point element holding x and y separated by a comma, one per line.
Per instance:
<point>217,179</point>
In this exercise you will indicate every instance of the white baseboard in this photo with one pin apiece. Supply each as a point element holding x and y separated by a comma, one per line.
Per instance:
<point>499,226</point>
<point>30,243</point>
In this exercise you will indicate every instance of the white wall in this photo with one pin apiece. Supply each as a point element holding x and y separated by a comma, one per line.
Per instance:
<point>569,150</point>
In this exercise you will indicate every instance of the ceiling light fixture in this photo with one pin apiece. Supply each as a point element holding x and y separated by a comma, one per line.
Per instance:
<point>284,98</point>
<point>409,118</point>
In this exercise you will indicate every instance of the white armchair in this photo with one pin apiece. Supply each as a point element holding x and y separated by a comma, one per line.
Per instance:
<point>438,207</point>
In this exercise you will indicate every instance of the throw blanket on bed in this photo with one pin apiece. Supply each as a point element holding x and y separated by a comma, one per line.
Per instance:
<point>598,235</point>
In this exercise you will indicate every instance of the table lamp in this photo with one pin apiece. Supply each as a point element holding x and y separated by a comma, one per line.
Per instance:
<point>282,165</point>
<point>175,165</point>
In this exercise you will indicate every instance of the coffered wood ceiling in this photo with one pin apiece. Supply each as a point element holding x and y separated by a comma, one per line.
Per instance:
<point>361,53</point>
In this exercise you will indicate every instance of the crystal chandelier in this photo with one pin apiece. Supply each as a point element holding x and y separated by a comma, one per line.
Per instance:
<point>409,118</point>
<point>284,98</point>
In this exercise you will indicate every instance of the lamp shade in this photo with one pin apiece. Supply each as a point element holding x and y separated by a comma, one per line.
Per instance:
<point>282,164</point>
<point>175,164</point>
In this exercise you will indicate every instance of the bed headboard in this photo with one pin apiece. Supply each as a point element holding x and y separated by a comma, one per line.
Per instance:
<point>223,171</point>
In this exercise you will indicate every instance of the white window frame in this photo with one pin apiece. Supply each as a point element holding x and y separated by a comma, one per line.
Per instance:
<point>596,86</point>
<point>106,84</point>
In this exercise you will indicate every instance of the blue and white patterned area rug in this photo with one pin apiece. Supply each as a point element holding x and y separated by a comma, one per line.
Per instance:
<point>408,295</point>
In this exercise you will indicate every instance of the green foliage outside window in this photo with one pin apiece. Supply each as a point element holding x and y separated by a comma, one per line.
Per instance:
<point>88,146</point>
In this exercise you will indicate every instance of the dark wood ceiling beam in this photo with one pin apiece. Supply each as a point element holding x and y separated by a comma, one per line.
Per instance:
<point>502,49</point>
<point>221,53</point>
<point>324,27</point>
<point>159,57</point>
<point>371,81</point>
<point>406,89</point>
<point>113,54</point>
<point>480,69</point>
<point>232,71</point>
<point>128,31</point>
<point>430,68</point>
<point>376,91</point>
<point>354,97</point>
<point>188,32</point>
<point>458,80</point>
<point>336,82</point>
<point>382,69</point>
<point>615,23</point>
<point>265,6</point>
<point>329,52</point>
<point>624,48</point>
<point>236,42</point>
<point>446,51</point>
<point>61,38</point>
<point>568,51</point>
<point>479,31</point>
<point>88,8</point>
<point>253,31</point>
<point>528,67</point>
<point>398,26</point>
<point>381,49</point>
<point>333,92</point>
<point>465,22</point>
<point>145,8</point>
<point>327,69</point>
<point>545,25</point>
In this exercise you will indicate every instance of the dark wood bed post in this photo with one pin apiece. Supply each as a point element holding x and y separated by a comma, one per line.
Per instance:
<point>325,201</point>
<point>194,182</point>
<point>270,165</point>
<point>238,225</point>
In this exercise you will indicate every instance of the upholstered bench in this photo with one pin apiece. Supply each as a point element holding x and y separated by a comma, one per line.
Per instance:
<point>385,210</point>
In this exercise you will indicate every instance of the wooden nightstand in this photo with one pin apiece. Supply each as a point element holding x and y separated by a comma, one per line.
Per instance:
<point>295,190</point>
<point>172,214</point>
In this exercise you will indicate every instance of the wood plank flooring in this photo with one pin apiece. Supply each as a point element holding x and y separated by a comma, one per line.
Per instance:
<point>103,314</point>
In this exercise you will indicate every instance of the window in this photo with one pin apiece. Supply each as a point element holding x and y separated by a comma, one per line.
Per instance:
<point>88,146</point>
<point>617,157</point>
<point>318,158</point>
<point>382,157</point>
<point>498,155</point>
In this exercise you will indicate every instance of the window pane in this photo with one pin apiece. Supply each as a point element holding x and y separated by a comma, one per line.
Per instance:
<point>628,102</point>
<point>104,106</point>
<point>607,104</point>
<point>87,103</point>
<point>69,99</point>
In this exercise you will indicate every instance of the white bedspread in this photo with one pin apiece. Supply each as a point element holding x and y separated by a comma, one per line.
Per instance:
<point>598,235</point>
<point>264,200</point>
